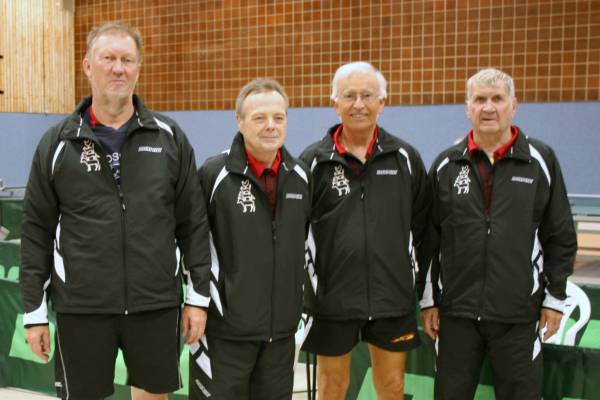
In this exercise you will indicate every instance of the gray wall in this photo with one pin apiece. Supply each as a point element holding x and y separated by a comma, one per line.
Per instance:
<point>572,129</point>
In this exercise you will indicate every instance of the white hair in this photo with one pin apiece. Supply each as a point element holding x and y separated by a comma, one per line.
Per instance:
<point>489,77</point>
<point>358,66</point>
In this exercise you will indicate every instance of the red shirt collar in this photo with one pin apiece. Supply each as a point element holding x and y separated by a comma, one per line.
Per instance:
<point>259,168</point>
<point>92,116</point>
<point>500,152</point>
<point>342,150</point>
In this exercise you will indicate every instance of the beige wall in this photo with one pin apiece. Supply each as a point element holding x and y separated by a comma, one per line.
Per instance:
<point>37,71</point>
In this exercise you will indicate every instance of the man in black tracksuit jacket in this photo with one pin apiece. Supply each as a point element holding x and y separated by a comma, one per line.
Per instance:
<point>497,253</point>
<point>258,202</point>
<point>370,206</point>
<point>112,194</point>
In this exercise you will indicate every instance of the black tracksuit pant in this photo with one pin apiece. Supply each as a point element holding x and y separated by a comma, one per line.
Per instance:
<point>514,350</point>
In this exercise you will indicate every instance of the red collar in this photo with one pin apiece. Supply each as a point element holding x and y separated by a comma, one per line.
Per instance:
<point>259,168</point>
<point>92,116</point>
<point>342,150</point>
<point>500,152</point>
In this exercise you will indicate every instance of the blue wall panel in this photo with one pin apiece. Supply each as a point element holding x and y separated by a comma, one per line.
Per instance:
<point>572,129</point>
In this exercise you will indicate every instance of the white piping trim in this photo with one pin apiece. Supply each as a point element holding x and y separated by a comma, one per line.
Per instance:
<point>62,360</point>
<point>216,297</point>
<point>59,148</point>
<point>163,125</point>
<point>536,154</point>
<point>553,303</point>
<point>59,265</point>
<point>442,165</point>
<point>310,257</point>
<point>40,314</point>
<point>402,151</point>
<point>222,174</point>
<point>301,172</point>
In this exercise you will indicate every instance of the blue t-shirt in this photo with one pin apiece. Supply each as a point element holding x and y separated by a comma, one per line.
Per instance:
<point>112,141</point>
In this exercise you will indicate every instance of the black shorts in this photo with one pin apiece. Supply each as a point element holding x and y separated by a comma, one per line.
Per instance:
<point>241,370</point>
<point>336,338</point>
<point>87,347</point>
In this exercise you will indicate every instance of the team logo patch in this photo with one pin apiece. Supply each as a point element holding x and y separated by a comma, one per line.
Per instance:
<point>89,157</point>
<point>339,181</point>
<point>246,198</point>
<point>404,338</point>
<point>462,181</point>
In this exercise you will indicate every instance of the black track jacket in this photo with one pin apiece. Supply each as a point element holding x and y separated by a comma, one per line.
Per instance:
<point>258,266</point>
<point>503,266</point>
<point>363,230</point>
<point>100,249</point>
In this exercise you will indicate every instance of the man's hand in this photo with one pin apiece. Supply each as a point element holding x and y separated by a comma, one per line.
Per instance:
<point>431,321</point>
<point>193,322</point>
<point>38,339</point>
<point>550,320</point>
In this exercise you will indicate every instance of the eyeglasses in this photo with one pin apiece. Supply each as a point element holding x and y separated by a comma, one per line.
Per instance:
<point>351,97</point>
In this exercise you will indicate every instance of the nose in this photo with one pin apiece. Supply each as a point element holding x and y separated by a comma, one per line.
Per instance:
<point>270,123</point>
<point>488,105</point>
<point>358,103</point>
<point>118,67</point>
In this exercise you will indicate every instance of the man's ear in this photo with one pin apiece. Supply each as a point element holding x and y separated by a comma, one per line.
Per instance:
<point>86,66</point>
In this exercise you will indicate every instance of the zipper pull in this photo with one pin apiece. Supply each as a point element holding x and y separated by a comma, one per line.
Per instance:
<point>122,200</point>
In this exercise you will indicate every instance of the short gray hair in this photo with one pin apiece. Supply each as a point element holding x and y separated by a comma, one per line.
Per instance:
<point>114,26</point>
<point>489,77</point>
<point>358,66</point>
<point>259,85</point>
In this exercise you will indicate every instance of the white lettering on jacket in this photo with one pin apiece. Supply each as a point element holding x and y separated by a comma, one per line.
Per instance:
<point>149,149</point>
<point>522,179</point>
<point>387,172</point>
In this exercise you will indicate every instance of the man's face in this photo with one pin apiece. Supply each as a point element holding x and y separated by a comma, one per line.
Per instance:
<point>490,109</point>
<point>113,67</point>
<point>358,103</point>
<point>263,123</point>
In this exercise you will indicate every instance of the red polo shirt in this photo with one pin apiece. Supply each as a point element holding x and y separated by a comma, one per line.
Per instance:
<point>267,177</point>
<point>353,162</point>
<point>485,167</point>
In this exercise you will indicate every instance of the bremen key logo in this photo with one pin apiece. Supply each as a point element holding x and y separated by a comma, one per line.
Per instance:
<point>246,198</point>
<point>462,181</point>
<point>89,157</point>
<point>340,182</point>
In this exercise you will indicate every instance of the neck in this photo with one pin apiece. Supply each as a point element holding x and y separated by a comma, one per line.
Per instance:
<point>357,142</point>
<point>266,159</point>
<point>357,138</point>
<point>113,113</point>
<point>491,142</point>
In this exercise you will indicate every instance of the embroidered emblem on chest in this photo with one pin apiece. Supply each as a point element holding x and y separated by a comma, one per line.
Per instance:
<point>246,198</point>
<point>89,157</point>
<point>462,181</point>
<point>339,181</point>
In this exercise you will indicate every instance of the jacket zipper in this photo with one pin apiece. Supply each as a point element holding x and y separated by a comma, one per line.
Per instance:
<point>488,231</point>
<point>367,265</point>
<point>274,269</point>
<point>122,209</point>
<point>123,236</point>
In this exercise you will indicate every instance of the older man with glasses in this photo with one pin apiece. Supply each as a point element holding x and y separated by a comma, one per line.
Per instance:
<point>370,205</point>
